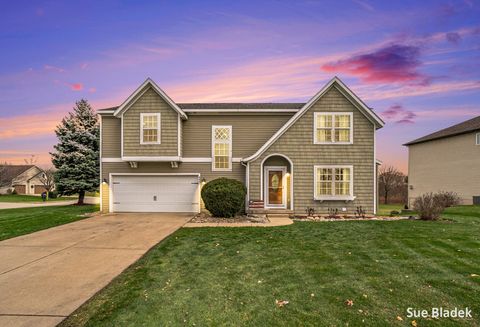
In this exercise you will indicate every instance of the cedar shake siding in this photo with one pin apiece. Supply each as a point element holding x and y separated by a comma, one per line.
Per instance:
<point>297,144</point>
<point>249,132</point>
<point>150,102</point>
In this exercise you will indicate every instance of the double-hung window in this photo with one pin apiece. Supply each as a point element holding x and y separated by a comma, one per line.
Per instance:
<point>150,128</point>
<point>333,182</point>
<point>221,148</point>
<point>333,128</point>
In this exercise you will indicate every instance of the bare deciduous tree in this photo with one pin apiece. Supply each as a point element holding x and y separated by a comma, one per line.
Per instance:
<point>47,178</point>
<point>32,160</point>
<point>391,181</point>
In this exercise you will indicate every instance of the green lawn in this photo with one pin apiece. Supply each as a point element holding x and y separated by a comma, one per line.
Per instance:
<point>385,209</point>
<point>16,222</point>
<point>30,198</point>
<point>232,276</point>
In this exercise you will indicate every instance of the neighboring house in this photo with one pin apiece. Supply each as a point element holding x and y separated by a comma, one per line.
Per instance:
<point>156,154</point>
<point>24,179</point>
<point>447,160</point>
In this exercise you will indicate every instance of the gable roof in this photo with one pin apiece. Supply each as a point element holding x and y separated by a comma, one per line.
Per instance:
<point>368,112</point>
<point>140,90</point>
<point>9,172</point>
<point>468,126</point>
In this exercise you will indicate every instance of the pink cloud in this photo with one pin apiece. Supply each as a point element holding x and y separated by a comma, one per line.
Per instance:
<point>92,90</point>
<point>399,114</point>
<point>76,86</point>
<point>392,63</point>
<point>84,66</point>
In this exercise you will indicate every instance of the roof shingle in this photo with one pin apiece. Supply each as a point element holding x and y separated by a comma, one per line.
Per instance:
<point>9,172</point>
<point>234,106</point>
<point>461,128</point>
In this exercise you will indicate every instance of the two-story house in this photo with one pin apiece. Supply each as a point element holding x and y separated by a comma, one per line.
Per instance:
<point>157,154</point>
<point>446,160</point>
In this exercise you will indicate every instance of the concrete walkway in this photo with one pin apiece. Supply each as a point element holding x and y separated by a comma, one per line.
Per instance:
<point>14,205</point>
<point>277,221</point>
<point>46,275</point>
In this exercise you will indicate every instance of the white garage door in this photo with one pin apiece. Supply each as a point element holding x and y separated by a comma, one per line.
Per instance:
<point>155,193</point>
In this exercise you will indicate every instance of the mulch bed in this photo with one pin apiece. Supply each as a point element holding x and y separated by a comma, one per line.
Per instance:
<point>349,218</point>
<point>204,217</point>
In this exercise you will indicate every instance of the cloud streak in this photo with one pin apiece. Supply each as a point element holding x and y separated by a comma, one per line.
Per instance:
<point>393,63</point>
<point>399,114</point>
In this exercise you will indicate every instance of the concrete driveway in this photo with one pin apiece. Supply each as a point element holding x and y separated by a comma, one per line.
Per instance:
<point>46,275</point>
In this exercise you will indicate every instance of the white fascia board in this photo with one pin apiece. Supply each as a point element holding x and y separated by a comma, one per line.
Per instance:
<point>102,112</point>
<point>307,106</point>
<point>129,101</point>
<point>159,159</point>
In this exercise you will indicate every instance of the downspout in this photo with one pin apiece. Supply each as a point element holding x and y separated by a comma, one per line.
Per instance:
<point>247,182</point>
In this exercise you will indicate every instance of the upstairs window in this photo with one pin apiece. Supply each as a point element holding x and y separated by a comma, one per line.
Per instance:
<point>478,139</point>
<point>333,128</point>
<point>150,128</point>
<point>333,182</point>
<point>221,147</point>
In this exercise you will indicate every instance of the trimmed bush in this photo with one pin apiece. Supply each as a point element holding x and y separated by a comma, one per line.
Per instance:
<point>53,195</point>
<point>428,206</point>
<point>224,197</point>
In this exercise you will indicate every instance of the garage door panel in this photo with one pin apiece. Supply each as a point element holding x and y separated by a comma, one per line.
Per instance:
<point>155,193</point>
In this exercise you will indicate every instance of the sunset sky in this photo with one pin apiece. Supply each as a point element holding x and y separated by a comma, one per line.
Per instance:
<point>417,63</point>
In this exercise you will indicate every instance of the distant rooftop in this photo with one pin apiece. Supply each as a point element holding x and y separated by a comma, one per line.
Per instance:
<point>468,126</point>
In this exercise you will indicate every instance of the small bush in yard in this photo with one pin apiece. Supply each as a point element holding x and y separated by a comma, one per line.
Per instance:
<point>224,197</point>
<point>431,205</point>
<point>448,199</point>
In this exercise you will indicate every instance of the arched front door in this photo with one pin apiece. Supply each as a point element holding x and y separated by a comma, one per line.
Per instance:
<point>275,187</point>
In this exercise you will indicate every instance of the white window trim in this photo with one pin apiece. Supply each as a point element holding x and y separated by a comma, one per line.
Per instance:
<point>333,114</point>
<point>349,197</point>
<point>159,129</point>
<point>477,139</point>
<point>229,148</point>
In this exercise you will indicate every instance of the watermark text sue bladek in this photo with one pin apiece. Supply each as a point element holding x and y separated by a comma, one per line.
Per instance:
<point>439,313</point>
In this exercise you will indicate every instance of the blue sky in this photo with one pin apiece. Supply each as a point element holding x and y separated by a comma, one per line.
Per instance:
<point>415,63</point>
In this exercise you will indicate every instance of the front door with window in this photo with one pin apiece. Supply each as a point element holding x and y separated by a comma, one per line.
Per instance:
<point>275,187</point>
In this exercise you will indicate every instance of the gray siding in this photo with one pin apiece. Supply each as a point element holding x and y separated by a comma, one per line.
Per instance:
<point>250,132</point>
<point>204,169</point>
<point>297,144</point>
<point>111,139</point>
<point>150,102</point>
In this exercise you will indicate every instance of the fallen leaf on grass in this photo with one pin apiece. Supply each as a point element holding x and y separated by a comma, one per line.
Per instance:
<point>414,323</point>
<point>312,295</point>
<point>281,303</point>
<point>473,275</point>
<point>365,295</point>
<point>399,318</point>
<point>349,303</point>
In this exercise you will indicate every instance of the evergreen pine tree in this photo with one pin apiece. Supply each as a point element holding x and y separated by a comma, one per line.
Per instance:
<point>76,155</point>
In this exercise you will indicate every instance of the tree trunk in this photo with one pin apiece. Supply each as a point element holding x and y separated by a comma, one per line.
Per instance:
<point>81,197</point>
<point>386,197</point>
